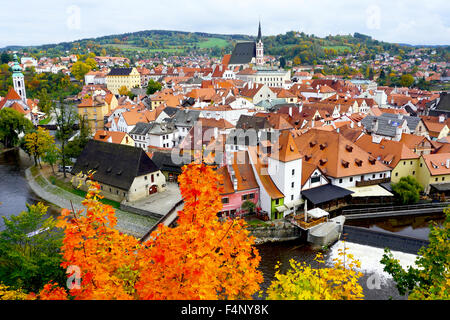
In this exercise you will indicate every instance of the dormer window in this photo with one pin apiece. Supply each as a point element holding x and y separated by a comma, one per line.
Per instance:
<point>322,161</point>
<point>323,146</point>
<point>345,163</point>
<point>312,143</point>
<point>358,162</point>
<point>349,148</point>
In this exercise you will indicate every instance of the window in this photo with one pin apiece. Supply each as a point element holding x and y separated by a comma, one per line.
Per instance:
<point>351,179</point>
<point>443,178</point>
<point>244,197</point>
<point>251,196</point>
<point>293,171</point>
<point>373,176</point>
<point>396,174</point>
<point>340,180</point>
<point>292,184</point>
<point>317,179</point>
<point>145,177</point>
<point>381,175</point>
<point>414,172</point>
<point>292,197</point>
<point>436,179</point>
<point>224,200</point>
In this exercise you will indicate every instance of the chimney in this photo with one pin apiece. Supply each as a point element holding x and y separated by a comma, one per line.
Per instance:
<point>375,125</point>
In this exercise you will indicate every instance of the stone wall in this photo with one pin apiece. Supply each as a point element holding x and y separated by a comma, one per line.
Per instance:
<point>275,231</point>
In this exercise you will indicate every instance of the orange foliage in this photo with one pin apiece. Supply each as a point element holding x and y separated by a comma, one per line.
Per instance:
<point>51,291</point>
<point>201,258</point>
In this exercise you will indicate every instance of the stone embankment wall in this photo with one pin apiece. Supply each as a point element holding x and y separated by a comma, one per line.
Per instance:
<point>274,232</point>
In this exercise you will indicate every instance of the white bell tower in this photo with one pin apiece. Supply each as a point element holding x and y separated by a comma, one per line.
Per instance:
<point>259,48</point>
<point>19,80</point>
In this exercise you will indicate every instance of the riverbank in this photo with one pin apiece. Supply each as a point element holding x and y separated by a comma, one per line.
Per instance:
<point>128,223</point>
<point>274,231</point>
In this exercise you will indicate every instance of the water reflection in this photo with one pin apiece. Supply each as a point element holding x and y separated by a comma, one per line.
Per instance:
<point>14,190</point>
<point>414,226</point>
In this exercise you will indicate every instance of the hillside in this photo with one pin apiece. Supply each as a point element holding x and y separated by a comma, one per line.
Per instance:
<point>309,49</point>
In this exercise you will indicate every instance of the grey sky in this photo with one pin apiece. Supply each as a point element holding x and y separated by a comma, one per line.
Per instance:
<point>25,22</point>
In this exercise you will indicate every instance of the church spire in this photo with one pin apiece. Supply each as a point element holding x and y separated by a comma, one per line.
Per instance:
<point>259,32</point>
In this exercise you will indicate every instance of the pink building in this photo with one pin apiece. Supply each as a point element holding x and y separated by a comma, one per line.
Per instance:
<point>239,184</point>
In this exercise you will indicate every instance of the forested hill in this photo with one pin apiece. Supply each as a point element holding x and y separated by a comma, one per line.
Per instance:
<point>291,45</point>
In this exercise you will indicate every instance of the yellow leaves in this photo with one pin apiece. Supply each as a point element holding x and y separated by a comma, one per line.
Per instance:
<point>9,294</point>
<point>302,282</point>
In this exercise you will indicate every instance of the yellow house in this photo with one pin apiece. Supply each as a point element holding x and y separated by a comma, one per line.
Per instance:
<point>95,108</point>
<point>119,77</point>
<point>434,172</point>
<point>394,154</point>
<point>114,137</point>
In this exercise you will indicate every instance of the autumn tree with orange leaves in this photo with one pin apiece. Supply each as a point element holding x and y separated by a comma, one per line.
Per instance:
<point>201,258</point>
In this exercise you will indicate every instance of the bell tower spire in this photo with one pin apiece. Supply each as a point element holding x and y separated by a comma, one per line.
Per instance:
<point>259,47</point>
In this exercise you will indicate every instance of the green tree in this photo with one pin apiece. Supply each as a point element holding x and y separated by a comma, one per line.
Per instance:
<point>91,63</point>
<point>406,80</point>
<point>248,206</point>
<point>29,261</point>
<point>51,156</point>
<point>282,62</point>
<point>79,69</point>
<point>38,143</point>
<point>407,190</point>
<point>45,102</point>
<point>431,279</point>
<point>153,86</point>
<point>5,58</point>
<point>12,123</point>
<point>65,121</point>
<point>75,146</point>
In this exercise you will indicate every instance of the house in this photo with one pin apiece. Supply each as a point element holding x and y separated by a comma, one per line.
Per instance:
<point>418,144</point>
<point>170,169</point>
<point>154,135</point>
<point>238,185</point>
<point>394,154</point>
<point>119,77</point>
<point>436,126</point>
<point>114,137</point>
<point>184,120</point>
<point>343,162</point>
<point>94,109</point>
<point>256,92</point>
<point>434,173</point>
<point>123,172</point>
<point>128,119</point>
<point>95,77</point>
<point>440,105</point>
<point>392,126</point>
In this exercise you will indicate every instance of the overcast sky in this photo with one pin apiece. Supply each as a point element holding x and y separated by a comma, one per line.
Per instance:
<point>25,22</point>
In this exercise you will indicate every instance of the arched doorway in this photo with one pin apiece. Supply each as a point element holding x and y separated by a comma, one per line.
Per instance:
<point>153,189</point>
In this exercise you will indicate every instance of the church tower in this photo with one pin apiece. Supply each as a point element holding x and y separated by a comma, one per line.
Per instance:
<point>19,80</point>
<point>259,48</point>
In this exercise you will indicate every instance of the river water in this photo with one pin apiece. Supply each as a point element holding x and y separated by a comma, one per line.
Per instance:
<point>15,193</point>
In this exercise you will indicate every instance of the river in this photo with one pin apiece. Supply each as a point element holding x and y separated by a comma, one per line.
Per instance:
<point>15,193</point>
